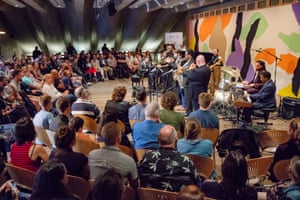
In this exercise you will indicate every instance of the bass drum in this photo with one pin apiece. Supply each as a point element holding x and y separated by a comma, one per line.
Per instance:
<point>223,97</point>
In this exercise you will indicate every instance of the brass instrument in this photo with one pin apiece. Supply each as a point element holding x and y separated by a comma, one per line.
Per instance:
<point>216,62</point>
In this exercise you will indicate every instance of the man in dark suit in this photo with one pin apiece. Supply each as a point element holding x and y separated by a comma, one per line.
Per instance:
<point>198,80</point>
<point>265,98</point>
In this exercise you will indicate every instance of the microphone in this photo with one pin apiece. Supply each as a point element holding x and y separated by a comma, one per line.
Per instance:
<point>257,50</point>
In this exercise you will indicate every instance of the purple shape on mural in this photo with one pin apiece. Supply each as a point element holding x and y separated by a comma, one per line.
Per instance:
<point>296,9</point>
<point>236,59</point>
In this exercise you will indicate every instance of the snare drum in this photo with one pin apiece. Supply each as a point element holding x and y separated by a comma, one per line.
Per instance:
<point>222,96</point>
<point>224,85</point>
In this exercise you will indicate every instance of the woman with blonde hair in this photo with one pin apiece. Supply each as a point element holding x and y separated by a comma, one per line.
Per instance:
<point>192,142</point>
<point>288,149</point>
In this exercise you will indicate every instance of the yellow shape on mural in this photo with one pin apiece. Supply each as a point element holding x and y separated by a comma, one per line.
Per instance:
<point>288,62</point>
<point>266,55</point>
<point>287,92</point>
<point>207,26</point>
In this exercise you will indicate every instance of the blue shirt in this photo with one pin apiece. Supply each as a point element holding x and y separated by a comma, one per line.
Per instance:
<point>43,119</point>
<point>207,118</point>
<point>137,112</point>
<point>199,147</point>
<point>145,134</point>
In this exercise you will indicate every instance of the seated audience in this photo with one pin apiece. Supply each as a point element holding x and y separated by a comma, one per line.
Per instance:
<point>84,106</point>
<point>51,181</point>
<point>206,117</point>
<point>109,186</point>
<point>190,192</point>
<point>168,115</point>
<point>117,109</point>
<point>76,123</point>
<point>137,112</point>
<point>110,156</point>
<point>76,163</point>
<point>265,98</point>
<point>49,89</point>
<point>288,149</point>
<point>24,152</point>
<point>166,168</point>
<point>234,180</point>
<point>144,134</point>
<point>292,192</point>
<point>64,114</point>
<point>44,116</point>
<point>192,142</point>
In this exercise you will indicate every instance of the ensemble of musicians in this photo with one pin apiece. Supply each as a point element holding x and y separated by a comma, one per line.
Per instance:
<point>205,72</point>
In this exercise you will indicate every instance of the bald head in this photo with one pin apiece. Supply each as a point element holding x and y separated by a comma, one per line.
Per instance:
<point>200,60</point>
<point>167,136</point>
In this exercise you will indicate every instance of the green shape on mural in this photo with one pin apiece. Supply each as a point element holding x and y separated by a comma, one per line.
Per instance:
<point>205,48</point>
<point>292,41</point>
<point>262,26</point>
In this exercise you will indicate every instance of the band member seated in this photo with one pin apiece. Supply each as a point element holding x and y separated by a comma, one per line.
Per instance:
<point>215,65</point>
<point>256,84</point>
<point>265,98</point>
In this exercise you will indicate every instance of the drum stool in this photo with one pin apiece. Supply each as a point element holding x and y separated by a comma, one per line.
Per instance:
<point>136,80</point>
<point>264,112</point>
<point>240,105</point>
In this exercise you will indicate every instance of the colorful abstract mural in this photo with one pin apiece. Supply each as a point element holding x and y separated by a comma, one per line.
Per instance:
<point>245,37</point>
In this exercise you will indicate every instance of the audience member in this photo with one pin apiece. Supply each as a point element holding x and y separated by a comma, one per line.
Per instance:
<point>192,142</point>
<point>206,117</point>
<point>76,163</point>
<point>166,168</point>
<point>109,186</point>
<point>145,133</point>
<point>84,106</point>
<point>198,78</point>
<point>49,89</point>
<point>234,180</point>
<point>190,192</point>
<point>51,181</point>
<point>24,152</point>
<point>76,123</point>
<point>168,115</point>
<point>44,116</point>
<point>292,192</point>
<point>137,112</point>
<point>64,113</point>
<point>288,149</point>
<point>110,156</point>
<point>117,109</point>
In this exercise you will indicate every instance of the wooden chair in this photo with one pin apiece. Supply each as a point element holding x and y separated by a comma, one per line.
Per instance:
<point>270,139</point>
<point>85,146</point>
<point>89,125</point>
<point>140,154</point>
<point>155,194</point>
<point>79,186</point>
<point>127,150</point>
<point>42,136</point>
<point>258,167</point>
<point>204,165</point>
<point>23,177</point>
<point>129,194</point>
<point>281,169</point>
<point>211,134</point>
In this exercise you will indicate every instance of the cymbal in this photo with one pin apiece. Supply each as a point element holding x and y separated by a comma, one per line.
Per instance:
<point>231,71</point>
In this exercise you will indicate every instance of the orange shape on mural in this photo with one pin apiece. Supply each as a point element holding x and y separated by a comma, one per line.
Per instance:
<point>208,25</point>
<point>266,55</point>
<point>288,62</point>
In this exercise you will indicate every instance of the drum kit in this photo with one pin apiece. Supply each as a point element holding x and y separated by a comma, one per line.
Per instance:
<point>230,89</point>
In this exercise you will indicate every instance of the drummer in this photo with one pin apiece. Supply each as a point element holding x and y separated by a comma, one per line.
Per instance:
<point>256,84</point>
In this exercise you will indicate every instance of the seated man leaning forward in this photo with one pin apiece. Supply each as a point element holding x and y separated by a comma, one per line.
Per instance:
<point>145,133</point>
<point>110,156</point>
<point>166,168</point>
